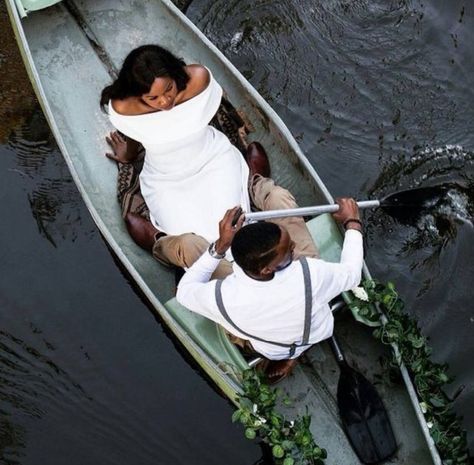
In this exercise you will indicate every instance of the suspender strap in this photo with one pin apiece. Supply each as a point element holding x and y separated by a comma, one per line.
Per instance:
<point>307,312</point>
<point>220,305</point>
<point>308,297</point>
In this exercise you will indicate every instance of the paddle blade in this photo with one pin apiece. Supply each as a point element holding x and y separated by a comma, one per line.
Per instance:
<point>364,417</point>
<point>408,205</point>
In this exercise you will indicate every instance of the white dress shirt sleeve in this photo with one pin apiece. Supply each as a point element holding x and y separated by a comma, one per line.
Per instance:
<point>333,278</point>
<point>195,291</point>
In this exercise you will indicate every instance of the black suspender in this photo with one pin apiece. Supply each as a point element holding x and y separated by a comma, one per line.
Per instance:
<point>308,292</point>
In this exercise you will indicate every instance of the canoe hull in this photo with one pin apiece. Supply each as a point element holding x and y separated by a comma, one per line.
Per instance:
<point>68,76</point>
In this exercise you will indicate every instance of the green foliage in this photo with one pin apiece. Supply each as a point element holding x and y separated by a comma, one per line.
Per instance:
<point>291,442</point>
<point>428,377</point>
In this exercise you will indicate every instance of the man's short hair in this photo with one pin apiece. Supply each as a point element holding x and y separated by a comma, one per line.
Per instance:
<point>254,246</point>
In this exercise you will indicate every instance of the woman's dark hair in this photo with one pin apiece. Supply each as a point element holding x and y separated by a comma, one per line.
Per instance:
<point>139,70</point>
<point>254,246</point>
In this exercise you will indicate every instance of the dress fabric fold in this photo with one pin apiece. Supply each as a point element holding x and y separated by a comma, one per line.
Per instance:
<point>192,173</point>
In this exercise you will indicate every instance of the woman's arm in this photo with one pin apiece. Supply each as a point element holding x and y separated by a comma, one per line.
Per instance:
<point>124,149</point>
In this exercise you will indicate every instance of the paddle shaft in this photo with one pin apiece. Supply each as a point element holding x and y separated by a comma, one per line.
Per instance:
<point>305,211</point>
<point>336,349</point>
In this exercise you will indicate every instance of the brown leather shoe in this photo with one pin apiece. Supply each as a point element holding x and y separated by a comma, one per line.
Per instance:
<point>257,159</point>
<point>142,231</point>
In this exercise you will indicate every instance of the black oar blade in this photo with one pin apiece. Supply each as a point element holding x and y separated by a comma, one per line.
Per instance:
<point>364,417</point>
<point>417,197</point>
<point>406,206</point>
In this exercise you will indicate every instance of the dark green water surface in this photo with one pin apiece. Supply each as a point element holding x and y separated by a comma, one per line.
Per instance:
<point>380,96</point>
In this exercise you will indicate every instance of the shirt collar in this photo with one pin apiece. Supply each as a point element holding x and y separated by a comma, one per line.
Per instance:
<point>278,277</point>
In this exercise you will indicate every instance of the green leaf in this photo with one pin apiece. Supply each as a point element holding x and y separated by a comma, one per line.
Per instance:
<point>306,420</point>
<point>287,445</point>
<point>317,452</point>
<point>278,451</point>
<point>236,416</point>
<point>250,433</point>
<point>386,298</point>
<point>289,461</point>
<point>443,378</point>
<point>246,403</point>
<point>437,402</point>
<point>276,420</point>
<point>306,439</point>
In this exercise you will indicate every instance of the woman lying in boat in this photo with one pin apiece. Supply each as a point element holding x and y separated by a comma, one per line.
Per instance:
<point>191,172</point>
<point>277,297</point>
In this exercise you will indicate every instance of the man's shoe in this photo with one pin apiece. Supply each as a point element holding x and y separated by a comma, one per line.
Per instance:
<point>142,231</point>
<point>257,159</point>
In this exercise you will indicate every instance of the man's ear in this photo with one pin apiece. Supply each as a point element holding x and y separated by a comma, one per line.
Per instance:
<point>266,271</point>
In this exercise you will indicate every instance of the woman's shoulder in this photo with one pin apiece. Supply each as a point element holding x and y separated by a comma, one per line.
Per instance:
<point>200,77</point>
<point>126,107</point>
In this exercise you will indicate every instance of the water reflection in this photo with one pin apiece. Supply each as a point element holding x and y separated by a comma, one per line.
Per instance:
<point>12,439</point>
<point>29,381</point>
<point>52,194</point>
<point>16,94</point>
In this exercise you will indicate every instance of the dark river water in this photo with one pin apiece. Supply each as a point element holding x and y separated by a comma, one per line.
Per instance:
<point>380,96</point>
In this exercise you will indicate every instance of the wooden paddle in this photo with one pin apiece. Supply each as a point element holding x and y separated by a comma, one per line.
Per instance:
<point>362,413</point>
<point>394,204</point>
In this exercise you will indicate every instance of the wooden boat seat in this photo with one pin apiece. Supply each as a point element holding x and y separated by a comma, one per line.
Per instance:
<point>25,6</point>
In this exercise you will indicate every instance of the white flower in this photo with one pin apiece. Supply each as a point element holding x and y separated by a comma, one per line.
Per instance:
<point>429,424</point>
<point>292,423</point>
<point>424,407</point>
<point>254,408</point>
<point>360,293</point>
<point>261,419</point>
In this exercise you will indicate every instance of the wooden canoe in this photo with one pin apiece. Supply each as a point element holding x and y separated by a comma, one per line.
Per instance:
<point>71,49</point>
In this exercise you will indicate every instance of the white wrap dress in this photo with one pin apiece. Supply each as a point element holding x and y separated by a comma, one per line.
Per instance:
<point>192,173</point>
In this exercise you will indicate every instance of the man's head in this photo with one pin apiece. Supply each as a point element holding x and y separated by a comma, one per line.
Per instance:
<point>262,248</point>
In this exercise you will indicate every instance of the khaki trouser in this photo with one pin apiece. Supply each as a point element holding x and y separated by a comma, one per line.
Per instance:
<point>185,249</point>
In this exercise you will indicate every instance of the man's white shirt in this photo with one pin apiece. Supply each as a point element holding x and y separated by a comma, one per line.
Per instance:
<point>274,310</point>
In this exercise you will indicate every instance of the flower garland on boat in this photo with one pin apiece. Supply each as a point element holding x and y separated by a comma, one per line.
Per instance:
<point>428,377</point>
<point>291,441</point>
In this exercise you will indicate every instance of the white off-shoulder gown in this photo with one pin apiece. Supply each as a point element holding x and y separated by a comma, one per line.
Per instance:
<point>192,173</point>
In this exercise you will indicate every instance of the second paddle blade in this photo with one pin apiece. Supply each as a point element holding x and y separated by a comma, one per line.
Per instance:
<point>364,417</point>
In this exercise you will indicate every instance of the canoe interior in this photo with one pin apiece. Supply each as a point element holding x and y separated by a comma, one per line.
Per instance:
<point>72,76</point>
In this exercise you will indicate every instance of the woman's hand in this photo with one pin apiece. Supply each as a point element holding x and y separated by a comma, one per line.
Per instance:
<point>122,152</point>
<point>228,226</point>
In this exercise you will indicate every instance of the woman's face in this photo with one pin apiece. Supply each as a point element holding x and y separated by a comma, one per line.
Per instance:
<point>162,94</point>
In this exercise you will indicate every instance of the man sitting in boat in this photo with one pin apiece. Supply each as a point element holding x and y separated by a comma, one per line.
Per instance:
<point>191,172</point>
<point>277,297</point>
